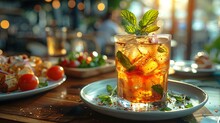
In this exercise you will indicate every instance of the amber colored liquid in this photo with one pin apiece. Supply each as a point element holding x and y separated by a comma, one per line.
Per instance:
<point>151,68</point>
<point>56,46</point>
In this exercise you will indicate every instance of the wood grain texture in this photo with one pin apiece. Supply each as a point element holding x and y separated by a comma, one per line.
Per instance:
<point>63,104</point>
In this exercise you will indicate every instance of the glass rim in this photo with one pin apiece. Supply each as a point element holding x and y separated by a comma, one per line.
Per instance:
<point>162,35</point>
<point>123,34</point>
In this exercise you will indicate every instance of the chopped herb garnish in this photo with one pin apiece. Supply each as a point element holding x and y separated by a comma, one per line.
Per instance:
<point>179,98</point>
<point>42,84</point>
<point>105,99</point>
<point>187,98</point>
<point>174,101</point>
<point>158,88</point>
<point>166,109</point>
<point>188,105</point>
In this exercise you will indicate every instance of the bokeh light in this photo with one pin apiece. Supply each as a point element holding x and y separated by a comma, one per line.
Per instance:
<point>80,6</point>
<point>79,34</point>
<point>56,4</point>
<point>5,24</point>
<point>71,3</point>
<point>48,1</point>
<point>101,6</point>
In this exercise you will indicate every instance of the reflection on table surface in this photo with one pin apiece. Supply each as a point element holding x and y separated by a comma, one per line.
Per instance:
<point>210,84</point>
<point>63,104</point>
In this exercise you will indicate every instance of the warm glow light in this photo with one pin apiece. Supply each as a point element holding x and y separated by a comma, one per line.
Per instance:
<point>79,34</point>
<point>80,6</point>
<point>101,6</point>
<point>71,3</point>
<point>5,24</point>
<point>48,1</point>
<point>166,3</point>
<point>56,4</point>
<point>95,54</point>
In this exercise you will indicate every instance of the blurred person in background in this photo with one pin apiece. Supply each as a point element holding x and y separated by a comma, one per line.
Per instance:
<point>109,27</point>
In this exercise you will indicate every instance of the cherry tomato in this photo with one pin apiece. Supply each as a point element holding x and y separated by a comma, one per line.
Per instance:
<point>74,63</point>
<point>64,62</point>
<point>81,58</point>
<point>88,59</point>
<point>28,82</point>
<point>55,72</point>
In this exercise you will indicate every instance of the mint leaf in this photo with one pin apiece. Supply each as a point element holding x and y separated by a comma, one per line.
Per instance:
<point>129,17</point>
<point>179,98</point>
<point>129,21</point>
<point>148,18</point>
<point>150,29</point>
<point>125,62</point>
<point>109,88</point>
<point>105,99</point>
<point>130,29</point>
<point>158,88</point>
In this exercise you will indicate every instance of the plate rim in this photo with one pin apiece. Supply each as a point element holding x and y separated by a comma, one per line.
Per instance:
<point>21,94</point>
<point>124,112</point>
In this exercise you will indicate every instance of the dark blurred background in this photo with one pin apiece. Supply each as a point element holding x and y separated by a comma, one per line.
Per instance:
<point>192,23</point>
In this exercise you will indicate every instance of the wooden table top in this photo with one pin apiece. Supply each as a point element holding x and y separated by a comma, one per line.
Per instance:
<point>63,104</point>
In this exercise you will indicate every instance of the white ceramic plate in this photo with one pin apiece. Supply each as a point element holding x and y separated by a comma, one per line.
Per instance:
<point>21,94</point>
<point>186,68</point>
<point>88,72</point>
<point>90,92</point>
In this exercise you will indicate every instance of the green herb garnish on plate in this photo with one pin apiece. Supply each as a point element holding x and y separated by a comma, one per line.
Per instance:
<point>188,105</point>
<point>178,101</point>
<point>106,99</point>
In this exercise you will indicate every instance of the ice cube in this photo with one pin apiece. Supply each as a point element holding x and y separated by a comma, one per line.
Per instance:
<point>137,81</point>
<point>132,52</point>
<point>149,66</point>
<point>147,49</point>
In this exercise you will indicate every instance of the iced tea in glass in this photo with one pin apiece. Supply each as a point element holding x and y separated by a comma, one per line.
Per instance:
<point>142,64</point>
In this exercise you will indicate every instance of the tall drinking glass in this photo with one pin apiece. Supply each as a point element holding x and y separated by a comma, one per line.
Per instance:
<point>56,39</point>
<point>142,64</point>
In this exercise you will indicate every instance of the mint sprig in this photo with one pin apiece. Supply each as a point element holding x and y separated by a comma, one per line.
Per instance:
<point>145,26</point>
<point>106,99</point>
